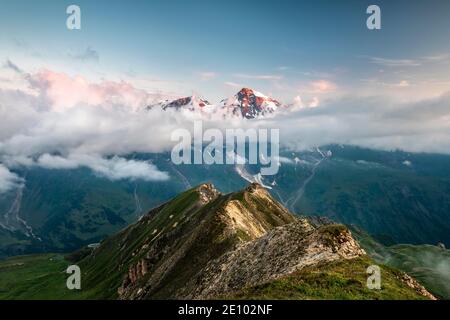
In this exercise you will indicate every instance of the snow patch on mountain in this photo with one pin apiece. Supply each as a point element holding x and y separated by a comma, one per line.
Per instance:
<point>247,103</point>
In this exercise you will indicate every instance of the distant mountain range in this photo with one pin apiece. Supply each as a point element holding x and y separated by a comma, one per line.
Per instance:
<point>247,103</point>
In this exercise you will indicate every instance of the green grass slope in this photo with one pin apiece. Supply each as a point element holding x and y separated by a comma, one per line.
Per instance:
<point>35,277</point>
<point>341,280</point>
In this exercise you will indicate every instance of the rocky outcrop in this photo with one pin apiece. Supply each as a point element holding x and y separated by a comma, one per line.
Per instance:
<point>413,284</point>
<point>250,104</point>
<point>191,103</point>
<point>280,252</point>
<point>208,193</point>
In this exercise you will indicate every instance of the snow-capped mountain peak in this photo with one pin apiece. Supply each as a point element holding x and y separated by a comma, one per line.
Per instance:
<point>192,102</point>
<point>251,104</point>
<point>247,103</point>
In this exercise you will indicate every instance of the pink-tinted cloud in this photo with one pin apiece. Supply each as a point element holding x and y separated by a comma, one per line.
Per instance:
<point>63,91</point>
<point>323,86</point>
<point>233,84</point>
<point>270,77</point>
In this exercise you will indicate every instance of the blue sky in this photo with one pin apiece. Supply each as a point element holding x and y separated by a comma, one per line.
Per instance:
<point>213,47</point>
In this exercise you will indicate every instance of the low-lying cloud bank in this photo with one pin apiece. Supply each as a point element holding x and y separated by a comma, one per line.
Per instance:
<point>373,122</point>
<point>8,180</point>
<point>115,168</point>
<point>56,121</point>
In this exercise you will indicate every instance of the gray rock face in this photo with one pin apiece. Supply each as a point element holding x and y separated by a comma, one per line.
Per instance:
<point>279,252</point>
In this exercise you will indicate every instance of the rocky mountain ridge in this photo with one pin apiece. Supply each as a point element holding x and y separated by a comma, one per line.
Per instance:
<point>246,103</point>
<point>204,245</point>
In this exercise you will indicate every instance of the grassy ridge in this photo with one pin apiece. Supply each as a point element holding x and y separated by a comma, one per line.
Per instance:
<point>343,280</point>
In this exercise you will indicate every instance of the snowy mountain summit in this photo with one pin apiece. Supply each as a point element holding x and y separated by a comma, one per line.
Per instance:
<point>192,103</point>
<point>247,103</point>
<point>250,104</point>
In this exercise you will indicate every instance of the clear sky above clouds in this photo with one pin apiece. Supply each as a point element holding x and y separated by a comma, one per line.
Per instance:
<point>283,48</point>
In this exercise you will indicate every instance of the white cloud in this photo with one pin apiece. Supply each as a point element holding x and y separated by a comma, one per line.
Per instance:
<point>115,168</point>
<point>259,76</point>
<point>402,84</point>
<point>207,75</point>
<point>85,123</point>
<point>298,102</point>
<point>323,86</point>
<point>8,179</point>
<point>407,163</point>
<point>436,58</point>
<point>395,62</point>
<point>374,122</point>
<point>69,123</point>
<point>286,160</point>
<point>233,84</point>
<point>61,91</point>
<point>314,102</point>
